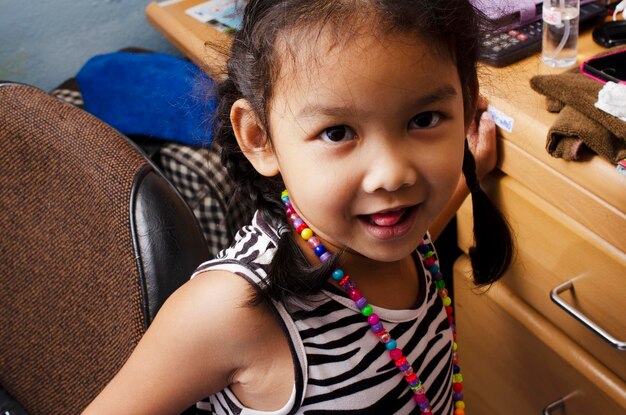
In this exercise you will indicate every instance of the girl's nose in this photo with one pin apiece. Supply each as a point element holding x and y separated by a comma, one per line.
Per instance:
<point>389,168</point>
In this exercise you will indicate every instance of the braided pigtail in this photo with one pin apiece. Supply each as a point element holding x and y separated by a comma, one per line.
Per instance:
<point>493,246</point>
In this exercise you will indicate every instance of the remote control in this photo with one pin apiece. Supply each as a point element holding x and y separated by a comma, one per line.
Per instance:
<point>502,49</point>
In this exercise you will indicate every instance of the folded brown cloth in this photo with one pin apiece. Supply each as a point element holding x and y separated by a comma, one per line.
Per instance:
<point>580,122</point>
<point>571,130</point>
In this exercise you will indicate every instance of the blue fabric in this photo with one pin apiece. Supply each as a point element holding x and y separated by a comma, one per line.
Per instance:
<point>151,94</point>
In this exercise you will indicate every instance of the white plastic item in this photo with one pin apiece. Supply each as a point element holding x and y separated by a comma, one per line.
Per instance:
<point>619,8</point>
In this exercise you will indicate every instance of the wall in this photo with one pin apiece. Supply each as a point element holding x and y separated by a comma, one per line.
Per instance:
<point>44,42</point>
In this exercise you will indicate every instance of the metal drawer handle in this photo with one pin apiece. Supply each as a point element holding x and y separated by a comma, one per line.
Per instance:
<point>559,404</point>
<point>569,285</point>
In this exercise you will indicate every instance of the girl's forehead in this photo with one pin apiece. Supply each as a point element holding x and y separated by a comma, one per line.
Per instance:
<point>370,76</point>
<point>310,56</point>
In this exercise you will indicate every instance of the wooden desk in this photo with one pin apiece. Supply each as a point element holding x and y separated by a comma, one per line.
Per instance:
<point>569,219</point>
<point>195,39</point>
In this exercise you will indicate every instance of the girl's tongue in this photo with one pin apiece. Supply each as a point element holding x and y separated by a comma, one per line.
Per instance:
<point>387,218</point>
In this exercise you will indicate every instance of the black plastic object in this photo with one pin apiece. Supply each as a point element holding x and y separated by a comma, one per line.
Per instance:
<point>610,34</point>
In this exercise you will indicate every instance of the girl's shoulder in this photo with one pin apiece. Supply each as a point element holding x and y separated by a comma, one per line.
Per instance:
<point>246,338</point>
<point>220,301</point>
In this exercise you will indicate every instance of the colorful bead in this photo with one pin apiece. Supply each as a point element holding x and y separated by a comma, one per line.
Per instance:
<point>314,241</point>
<point>297,223</point>
<point>411,378</point>
<point>373,319</point>
<point>349,285</point>
<point>338,274</point>
<point>447,301</point>
<point>440,284</point>
<point>391,344</point>
<point>306,234</point>
<point>438,276</point>
<point>355,295</point>
<point>420,398</point>
<point>457,396</point>
<point>459,405</point>
<point>319,250</point>
<point>290,211</point>
<point>434,268</point>
<point>401,361</point>
<point>377,327</point>
<point>395,354</point>
<point>385,337</point>
<point>459,412</point>
<point>367,310</point>
<point>423,249</point>
<point>361,303</point>
<point>325,256</point>
<point>409,372</point>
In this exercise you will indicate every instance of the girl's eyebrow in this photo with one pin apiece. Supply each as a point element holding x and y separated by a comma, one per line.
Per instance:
<point>443,93</point>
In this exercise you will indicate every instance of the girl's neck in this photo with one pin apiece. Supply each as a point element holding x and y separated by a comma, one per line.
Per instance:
<point>391,285</point>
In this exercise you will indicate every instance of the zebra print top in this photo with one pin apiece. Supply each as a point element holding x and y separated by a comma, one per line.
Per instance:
<point>341,368</point>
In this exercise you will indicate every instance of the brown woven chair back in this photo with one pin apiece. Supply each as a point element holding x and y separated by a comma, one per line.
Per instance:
<point>73,297</point>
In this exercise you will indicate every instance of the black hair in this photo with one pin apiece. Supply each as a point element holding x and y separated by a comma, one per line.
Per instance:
<point>451,27</point>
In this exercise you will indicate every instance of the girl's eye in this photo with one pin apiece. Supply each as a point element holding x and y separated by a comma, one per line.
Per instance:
<point>338,134</point>
<point>425,120</point>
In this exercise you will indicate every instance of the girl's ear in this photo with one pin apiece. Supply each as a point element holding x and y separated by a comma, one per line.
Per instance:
<point>253,139</point>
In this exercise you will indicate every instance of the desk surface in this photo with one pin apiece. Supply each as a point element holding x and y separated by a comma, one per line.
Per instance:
<point>590,191</point>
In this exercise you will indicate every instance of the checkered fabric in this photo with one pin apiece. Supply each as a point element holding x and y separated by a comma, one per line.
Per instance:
<point>200,178</point>
<point>71,97</point>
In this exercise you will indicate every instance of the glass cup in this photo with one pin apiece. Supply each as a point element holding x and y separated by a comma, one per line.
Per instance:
<point>560,32</point>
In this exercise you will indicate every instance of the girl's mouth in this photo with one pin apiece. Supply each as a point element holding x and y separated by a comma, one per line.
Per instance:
<point>389,224</point>
<point>387,218</point>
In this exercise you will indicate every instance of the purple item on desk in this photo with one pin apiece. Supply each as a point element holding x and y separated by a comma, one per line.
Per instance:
<point>500,9</point>
<point>508,14</point>
<point>150,94</point>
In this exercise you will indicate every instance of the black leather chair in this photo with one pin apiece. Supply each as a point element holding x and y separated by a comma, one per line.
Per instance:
<point>93,239</point>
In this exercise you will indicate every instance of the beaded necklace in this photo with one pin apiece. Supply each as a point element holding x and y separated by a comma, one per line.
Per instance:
<point>432,264</point>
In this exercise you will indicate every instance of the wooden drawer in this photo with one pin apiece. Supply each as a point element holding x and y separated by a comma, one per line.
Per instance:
<point>514,362</point>
<point>551,249</point>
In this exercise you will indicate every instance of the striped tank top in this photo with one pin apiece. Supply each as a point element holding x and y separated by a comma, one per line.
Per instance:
<point>340,366</point>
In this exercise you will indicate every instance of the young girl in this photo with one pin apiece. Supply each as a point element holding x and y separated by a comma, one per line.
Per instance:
<point>331,301</point>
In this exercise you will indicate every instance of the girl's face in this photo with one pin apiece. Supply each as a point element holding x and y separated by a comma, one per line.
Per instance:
<point>368,137</point>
